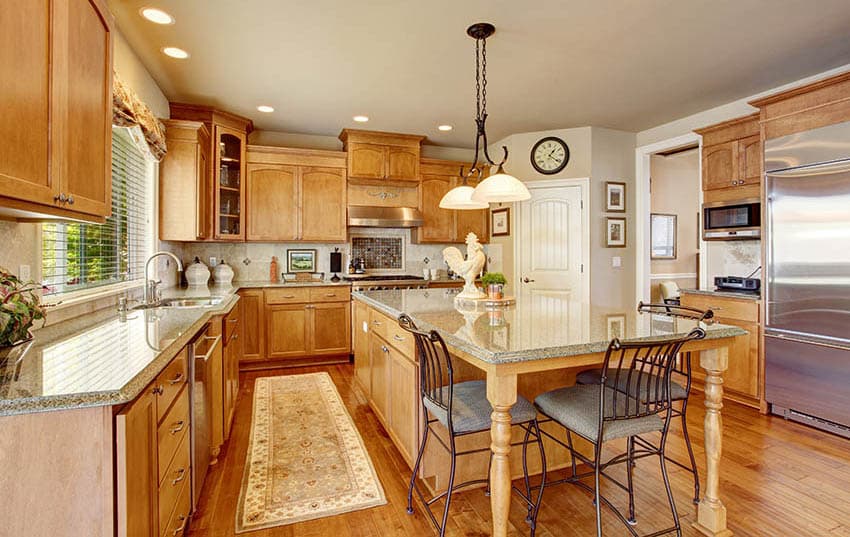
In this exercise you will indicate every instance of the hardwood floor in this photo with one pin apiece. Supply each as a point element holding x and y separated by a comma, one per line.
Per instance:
<point>778,479</point>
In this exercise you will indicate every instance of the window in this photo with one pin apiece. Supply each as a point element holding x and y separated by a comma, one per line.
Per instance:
<point>83,256</point>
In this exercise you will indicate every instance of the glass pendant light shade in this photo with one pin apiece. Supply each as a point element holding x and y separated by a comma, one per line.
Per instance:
<point>500,188</point>
<point>460,197</point>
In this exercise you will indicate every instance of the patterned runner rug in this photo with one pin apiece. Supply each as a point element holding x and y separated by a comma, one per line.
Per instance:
<point>306,459</point>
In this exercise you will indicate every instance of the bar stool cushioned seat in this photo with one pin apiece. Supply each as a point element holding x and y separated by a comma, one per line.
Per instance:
<point>577,409</point>
<point>593,376</point>
<point>471,410</point>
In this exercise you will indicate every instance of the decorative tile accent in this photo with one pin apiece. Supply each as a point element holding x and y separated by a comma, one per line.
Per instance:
<point>380,253</point>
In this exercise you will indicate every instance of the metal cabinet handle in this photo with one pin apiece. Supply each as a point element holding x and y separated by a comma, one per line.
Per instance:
<point>176,380</point>
<point>384,348</point>
<point>60,198</point>
<point>526,280</point>
<point>235,336</point>
<point>330,295</point>
<point>70,200</point>
<point>310,307</point>
<point>158,390</point>
<point>182,473</point>
<point>288,296</point>
<point>734,182</point>
<point>178,427</point>
<point>376,323</point>
<point>233,320</point>
<point>741,182</point>
<point>398,337</point>
<point>182,527</point>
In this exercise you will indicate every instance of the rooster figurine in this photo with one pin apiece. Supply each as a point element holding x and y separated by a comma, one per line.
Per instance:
<point>468,268</point>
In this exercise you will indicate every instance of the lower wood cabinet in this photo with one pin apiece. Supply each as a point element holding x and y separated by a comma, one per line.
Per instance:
<point>253,324</point>
<point>379,377</point>
<point>230,368</point>
<point>287,330</point>
<point>362,361</point>
<point>404,398</point>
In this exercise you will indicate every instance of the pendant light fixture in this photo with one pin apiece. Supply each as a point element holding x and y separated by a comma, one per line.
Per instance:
<point>500,187</point>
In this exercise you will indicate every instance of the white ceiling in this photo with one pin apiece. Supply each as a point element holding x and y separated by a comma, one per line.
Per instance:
<point>409,66</point>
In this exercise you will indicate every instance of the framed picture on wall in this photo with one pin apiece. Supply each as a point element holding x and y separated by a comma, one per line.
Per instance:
<point>500,222</point>
<point>615,232</point>
<point>615,197</point>
<point>300,261</point>
<point>662,234</point>
<point>616,326</point>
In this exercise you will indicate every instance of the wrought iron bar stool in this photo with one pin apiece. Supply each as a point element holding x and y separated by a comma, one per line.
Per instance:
<point>463,409</point>
<point>603,412</point>
<point>680,386</point>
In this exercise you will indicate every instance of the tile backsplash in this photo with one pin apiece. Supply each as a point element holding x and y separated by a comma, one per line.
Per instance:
<point>380,253</point>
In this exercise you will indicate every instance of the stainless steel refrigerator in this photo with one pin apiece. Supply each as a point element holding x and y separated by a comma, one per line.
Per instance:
<point>807,233</point>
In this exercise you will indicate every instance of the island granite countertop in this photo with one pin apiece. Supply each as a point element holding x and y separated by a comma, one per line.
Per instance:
<point>547,328</point>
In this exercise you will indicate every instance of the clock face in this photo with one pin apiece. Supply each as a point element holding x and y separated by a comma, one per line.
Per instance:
<point>550,155</point>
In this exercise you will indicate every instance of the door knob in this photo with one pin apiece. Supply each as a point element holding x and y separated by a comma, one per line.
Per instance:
<point>526,280</point>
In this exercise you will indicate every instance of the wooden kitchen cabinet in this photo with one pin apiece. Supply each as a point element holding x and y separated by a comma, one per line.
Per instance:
<point>232,329</point>
<point>330,325</point>
<point>404,403</point>
<point>379,377</point>
<point>252,324</point>
<point>272,202</point>
<point>362,362</point>
<point>296,195</point>
<point>381,157</point>
<point>446,225</point>
<point>287,330</point>
<point>732,159</point>
<point>185,193</point>
<point>136,457</point>
<point>56,110</point>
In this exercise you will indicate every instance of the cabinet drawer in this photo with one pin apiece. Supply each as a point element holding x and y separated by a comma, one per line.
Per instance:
<point>287,296</point>
<point>380,324</point>
<point>744,310</point>
<point>231,324</point>
<point>169,383</point>
<point>180,517</point>
<point>171,432</point>
<point>176,478</point>
<point>402,340</point>
<point>330,294</point>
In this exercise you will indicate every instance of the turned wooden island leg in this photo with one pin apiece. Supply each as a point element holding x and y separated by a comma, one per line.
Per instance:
<point>711,513</point>
<point>502,394</point>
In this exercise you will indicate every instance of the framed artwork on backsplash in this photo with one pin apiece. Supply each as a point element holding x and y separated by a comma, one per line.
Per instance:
<point>615,197</point>
<point>300,261</point>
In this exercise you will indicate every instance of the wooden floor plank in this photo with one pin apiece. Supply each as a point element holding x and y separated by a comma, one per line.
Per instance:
<point>778,479</point>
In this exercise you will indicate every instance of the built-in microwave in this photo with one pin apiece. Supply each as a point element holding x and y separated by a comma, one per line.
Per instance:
<point>731,220</point>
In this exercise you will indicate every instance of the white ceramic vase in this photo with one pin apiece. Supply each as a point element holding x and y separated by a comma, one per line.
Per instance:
<point>197,274</point>
<point>223,274</point>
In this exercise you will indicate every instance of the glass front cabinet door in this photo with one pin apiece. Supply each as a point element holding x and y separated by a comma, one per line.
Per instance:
<point>229,184</point>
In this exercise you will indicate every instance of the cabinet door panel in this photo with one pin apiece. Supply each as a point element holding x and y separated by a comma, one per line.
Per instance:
<point>719,165</point>
<point>402,164</point>
<point>331,325</point>
<point>136,467</point>
<point>87,125</point>
<point>750,160</point>
<point>229,183</point>
<point>439,225</point>
<point>477,222</point>
<point>743,374</point>
<point>323,204</point>
<point>403,403</point>
<point>25,102</point>
<point>252,323</point>
<point>366,161</point>
<point>362,364</point>
<point>272,203</point>
<point>287,331</point>
<point>379,376</point>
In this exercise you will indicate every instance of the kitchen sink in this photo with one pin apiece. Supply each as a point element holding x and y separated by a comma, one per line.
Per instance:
<point>197,302</point>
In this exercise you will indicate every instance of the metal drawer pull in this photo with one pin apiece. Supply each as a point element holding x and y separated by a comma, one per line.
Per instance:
<point>182,473</point>
<point>398,337</point>
<point>233,320</point>
<point>384,348</point>
<point>176,380</point>
<point>288,296</point>
<point>182,527</point>
<point>71,200</point>
<point>178,427</point>
<point>376,323</point>
<point>330,295</point>
<point>158,390</point>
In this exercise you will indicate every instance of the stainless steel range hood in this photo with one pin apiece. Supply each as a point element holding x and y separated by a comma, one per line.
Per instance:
<point>367,216</point>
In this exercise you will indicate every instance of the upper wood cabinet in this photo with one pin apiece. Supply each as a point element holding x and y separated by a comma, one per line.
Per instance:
<point>381,157</point>
<point>56,110</point>
<point>732,158</point>
<point>185,193</point>
<point>446,225</point>
<point>296,195</point>
<point>229,138</point>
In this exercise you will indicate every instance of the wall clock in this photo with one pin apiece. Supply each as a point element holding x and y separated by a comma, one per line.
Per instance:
<point>550,155</point>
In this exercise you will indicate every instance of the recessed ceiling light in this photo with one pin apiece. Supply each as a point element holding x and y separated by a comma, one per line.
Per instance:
<point>361,119</point>
<point>156,15</point>
<point>444,128</point>
<point>175,52</point>
<point>265,108</point>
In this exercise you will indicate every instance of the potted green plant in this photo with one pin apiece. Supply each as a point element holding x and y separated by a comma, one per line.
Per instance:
<point>20,307</point>
<point>494,283</point>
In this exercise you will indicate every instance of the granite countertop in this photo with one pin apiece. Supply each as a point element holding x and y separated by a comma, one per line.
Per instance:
<point>101,359</point>
<point>725,294</point>
<point>547,328</point>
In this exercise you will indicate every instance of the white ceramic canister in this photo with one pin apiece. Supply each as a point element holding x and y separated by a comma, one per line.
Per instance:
<point>197,273</point>
<point>223,274</point>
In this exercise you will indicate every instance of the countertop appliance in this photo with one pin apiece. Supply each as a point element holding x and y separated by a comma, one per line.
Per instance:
<point>201,351</point>
<point>807,328</point>
<point>737,284</point>
<point>731,220</point>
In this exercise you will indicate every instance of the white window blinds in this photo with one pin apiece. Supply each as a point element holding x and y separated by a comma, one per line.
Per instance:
<point>82,256</point>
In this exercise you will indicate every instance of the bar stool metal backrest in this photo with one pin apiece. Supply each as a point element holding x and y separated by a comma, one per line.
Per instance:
<point>647,367</point>
<point>436,376</point>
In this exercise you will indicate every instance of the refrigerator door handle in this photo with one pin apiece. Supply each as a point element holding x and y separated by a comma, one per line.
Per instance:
<point>819,343</point>
<point>823,168</point>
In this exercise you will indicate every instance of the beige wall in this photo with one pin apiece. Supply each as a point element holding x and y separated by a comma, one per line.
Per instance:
<point>135,75</point>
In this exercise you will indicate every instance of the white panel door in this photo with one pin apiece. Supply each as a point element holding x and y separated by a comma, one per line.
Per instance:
<point>550,264</point>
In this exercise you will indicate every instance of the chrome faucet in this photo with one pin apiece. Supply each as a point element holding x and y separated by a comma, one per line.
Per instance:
<point>151,291</point>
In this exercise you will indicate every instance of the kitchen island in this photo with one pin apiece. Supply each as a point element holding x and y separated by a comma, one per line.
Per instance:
<point>548,334</point>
